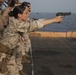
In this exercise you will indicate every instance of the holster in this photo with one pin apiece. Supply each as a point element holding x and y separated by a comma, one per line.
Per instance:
<point>3,63</point>
<point>3,66</point>
<point>5,49</point>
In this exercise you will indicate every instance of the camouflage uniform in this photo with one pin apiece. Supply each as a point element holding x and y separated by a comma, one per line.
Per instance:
<point>25,28</point>
<point>3,22</point>
<point>12,38</point>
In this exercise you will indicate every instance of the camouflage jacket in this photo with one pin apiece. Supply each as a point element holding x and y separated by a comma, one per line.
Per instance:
<point>15,30</point>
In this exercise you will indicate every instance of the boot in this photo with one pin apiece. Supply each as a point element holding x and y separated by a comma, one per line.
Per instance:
<point>25,60</point>
<point>27,55</point>
<point>22,73</point>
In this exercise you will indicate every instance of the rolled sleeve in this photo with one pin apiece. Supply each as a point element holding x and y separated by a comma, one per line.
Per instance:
<point>40,23</point>
<point>36,24</point>
<point>30,25</point>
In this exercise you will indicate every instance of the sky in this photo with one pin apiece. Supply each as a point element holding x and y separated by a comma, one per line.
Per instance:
<point>52,5</point>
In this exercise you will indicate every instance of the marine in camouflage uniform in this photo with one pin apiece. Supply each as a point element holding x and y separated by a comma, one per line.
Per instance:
<point>3,22</point>
<point>12,38</point>
<point>17,29</point>
<point>25,28</point>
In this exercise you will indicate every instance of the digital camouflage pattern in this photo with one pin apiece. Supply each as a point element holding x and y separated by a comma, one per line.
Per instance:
<point>12,37</point>
<point>3,22</point>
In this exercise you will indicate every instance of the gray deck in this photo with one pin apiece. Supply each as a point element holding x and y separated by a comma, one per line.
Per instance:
<point>53,56</point>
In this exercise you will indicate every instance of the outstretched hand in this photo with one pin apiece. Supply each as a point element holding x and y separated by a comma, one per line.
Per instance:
<point>58,19</point>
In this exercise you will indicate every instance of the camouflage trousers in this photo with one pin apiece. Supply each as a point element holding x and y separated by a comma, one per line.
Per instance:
<point>2,56</point>
<point>19,53</point>
<point>22,50</point>
<point>12,66</point>
<point>15,63</point>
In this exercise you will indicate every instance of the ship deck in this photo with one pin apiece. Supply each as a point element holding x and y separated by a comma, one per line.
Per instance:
<point>52,56</point>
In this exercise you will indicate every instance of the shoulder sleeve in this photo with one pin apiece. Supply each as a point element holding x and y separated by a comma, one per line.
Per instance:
<point>30,25</point>
<point>35,24</point>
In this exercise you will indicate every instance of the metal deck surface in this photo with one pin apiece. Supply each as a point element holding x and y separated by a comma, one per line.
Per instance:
<point>53,56</point>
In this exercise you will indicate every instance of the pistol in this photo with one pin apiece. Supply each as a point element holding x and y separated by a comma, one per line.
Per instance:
<point>63,13</point>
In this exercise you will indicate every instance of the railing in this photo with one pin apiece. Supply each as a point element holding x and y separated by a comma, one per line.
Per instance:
<point>54,34</point>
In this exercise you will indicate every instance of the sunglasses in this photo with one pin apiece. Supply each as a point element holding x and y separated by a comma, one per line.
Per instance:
<point>28,6</point>
<point>29,10</point>
<point>25,13</point>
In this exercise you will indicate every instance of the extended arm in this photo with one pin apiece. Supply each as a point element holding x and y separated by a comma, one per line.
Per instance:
<point>54,20</point>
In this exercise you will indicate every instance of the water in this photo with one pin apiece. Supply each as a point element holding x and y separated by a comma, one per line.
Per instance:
<point>68,24</point>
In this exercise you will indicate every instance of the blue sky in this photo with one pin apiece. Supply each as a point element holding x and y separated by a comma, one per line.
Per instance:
<point>52,5</point>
